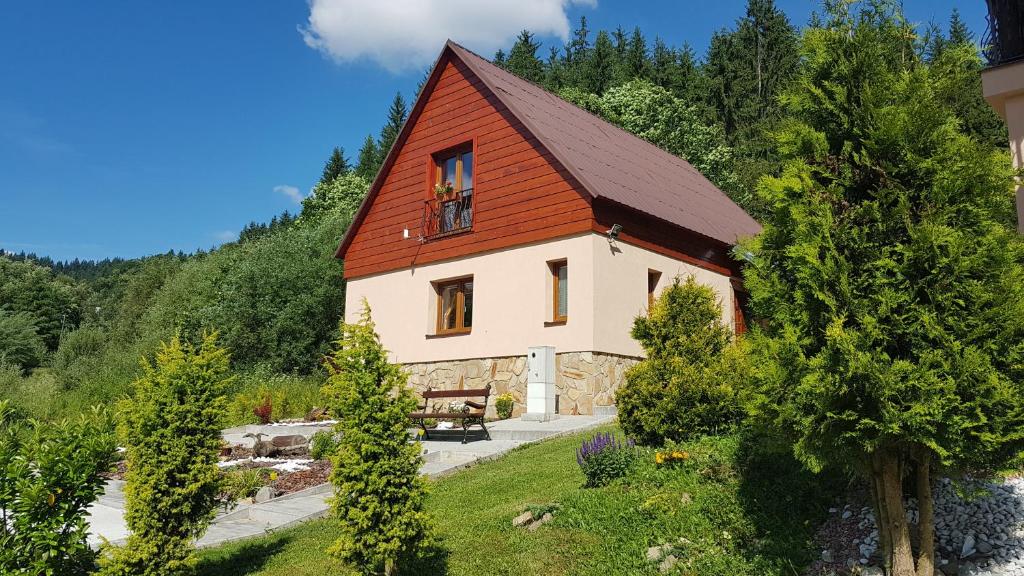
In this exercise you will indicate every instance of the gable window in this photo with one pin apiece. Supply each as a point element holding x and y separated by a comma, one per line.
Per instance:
<point>559,291</point>
<point>652,285</point>
<point>455,306</point>
<point>452,205</point>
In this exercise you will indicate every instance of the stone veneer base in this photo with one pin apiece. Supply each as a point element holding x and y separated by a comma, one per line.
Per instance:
<point>585,382</point>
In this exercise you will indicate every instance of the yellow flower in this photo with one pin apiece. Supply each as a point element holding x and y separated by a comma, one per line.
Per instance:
<point>659,458</point>
<point>52,499</point>
<point>273,475</point>
<point>678,455</point>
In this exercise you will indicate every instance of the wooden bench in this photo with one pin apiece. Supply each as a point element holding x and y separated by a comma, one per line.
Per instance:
<point>475,414</point>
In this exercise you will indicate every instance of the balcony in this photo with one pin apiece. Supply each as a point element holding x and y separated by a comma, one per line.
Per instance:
<point>1004,39</point>
<point>447,216</point>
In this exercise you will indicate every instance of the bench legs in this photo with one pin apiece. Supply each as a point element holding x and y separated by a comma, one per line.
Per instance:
<point>466,423</point>
<point>423,425</point>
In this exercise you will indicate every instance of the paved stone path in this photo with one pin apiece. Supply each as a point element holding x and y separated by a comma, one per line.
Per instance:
<point>443,454</point>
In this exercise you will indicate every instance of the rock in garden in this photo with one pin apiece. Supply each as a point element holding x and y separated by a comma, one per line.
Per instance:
<point>826,556</point>
<point>968,547</point>
<point>667,564</point>
<point>543,520</point>
<point>523,519</point>
<point>264,494</point>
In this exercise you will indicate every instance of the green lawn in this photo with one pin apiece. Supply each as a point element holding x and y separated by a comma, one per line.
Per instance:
<point>744,511</point>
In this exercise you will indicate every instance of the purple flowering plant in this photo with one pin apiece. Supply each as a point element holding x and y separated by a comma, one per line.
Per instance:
<point>604,458</point>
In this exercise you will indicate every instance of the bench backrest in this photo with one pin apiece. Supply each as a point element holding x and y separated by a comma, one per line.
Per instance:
<point>470,393</point>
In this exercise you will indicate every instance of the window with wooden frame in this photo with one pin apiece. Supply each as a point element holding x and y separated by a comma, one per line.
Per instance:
<point>455,168</point>
<point>455,306</point>
<point>559,291</point>
<point>653,276</point>
<point>453,192</point>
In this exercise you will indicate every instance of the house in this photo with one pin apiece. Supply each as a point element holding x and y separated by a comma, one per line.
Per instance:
<point>1003,81</point>
<point>558,229</point>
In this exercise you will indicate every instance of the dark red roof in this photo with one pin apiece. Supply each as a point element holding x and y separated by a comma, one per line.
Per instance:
<point>614,164</point>
<point>609,162</point>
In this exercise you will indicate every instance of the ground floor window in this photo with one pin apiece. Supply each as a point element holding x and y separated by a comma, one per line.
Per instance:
<point>455,306</point>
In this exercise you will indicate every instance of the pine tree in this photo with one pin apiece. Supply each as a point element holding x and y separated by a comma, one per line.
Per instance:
<point>336,165</point>
<point>376,470</point>
<point>522,59</point>
<point>889,277</point>
<point>396,118</point>
<point>499,58</point>
<point>577,54</point>
<point>636,56</point>
<point>599,70</point>
<point>369,159</point>
<point>663,65</point>
<point>554,70</point>
<point>959,33</point>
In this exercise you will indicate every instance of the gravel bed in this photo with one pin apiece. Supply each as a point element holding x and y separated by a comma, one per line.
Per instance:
<point>979,528</point>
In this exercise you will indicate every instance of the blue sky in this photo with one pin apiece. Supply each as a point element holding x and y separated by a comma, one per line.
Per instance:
<point>133,127</point>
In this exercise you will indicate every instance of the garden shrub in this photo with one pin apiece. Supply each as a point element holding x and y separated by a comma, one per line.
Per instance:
<point>503,405</point>
<point>171,428</point>
<point>264,411</point>
<point>322,445</point>
<point>604,458</point>
<point>380,494</point>
<point>291,396</point>
<point>49,475</point>
<point>245,482</point>
<point>687,386</point>
<point>20,342</point>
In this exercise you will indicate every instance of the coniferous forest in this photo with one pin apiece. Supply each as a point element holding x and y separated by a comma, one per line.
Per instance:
<point>72,333</point>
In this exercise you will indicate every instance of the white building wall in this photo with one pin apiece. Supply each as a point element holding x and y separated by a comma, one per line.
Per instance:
<point>512,300</point>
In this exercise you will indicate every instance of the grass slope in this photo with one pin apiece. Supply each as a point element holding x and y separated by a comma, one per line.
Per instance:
<point>743,510</point>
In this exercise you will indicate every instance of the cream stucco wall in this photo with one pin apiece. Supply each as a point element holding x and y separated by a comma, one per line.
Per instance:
<point>620,290</point>
<point>512,300</point>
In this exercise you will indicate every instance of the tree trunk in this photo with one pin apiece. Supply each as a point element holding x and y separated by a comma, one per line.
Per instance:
<point>926,515</point>
<point>892,520</point>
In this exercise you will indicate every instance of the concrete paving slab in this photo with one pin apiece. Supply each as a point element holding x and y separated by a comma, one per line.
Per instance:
<point>443,455</point>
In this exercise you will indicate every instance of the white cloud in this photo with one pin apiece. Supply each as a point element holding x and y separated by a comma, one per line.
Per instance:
<point>290,191</point>
<point>225,236</point>
<point>408,34</point>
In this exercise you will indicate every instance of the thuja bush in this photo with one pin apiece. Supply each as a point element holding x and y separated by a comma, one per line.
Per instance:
<point>171,428</point>
<point>604,458</point>
<point>49,475</point>
<point>379,493</point>
<point>687,385</point>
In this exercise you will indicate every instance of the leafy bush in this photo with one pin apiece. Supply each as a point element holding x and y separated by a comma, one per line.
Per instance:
<point>88,342</point>
<point>503,405</point>
<point>264,411</point>
<point>20,342</point>
<point>244,483</point>
<point>172,430</point>
<point>323,445</point>
<point>49,475</point>
<point>604,459</point>
<point>687,385</point>
<point>291,396</point>
<point>380,494</point>
<point>53,302</point>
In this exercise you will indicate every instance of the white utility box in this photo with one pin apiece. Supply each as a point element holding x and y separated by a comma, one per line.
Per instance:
<point>540,384</point>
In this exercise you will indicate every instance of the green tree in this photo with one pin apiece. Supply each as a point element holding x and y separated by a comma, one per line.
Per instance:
<point>684,387</point>
<point>636,57</point>
<point>599,70</point>
<point>171,427</point>
<point>50,472</point>
<point>369,159</point>
<point>379,491</point>
<point>20,343</point>
<point>397,114</point>
<point>335,166</point>
<point>890,277</point>
<point>341,195</point>
<point>55,302</point>
<point>522,59</point>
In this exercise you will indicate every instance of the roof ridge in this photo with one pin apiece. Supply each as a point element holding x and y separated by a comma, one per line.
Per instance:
<point>573,105</point>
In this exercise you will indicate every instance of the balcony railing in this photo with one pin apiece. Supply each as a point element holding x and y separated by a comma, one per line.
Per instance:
<point>448,215</point>
<point>1004,39</point>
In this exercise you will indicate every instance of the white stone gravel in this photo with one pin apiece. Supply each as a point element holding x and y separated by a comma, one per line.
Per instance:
<point>281,464</point>
<point>982,530</point>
